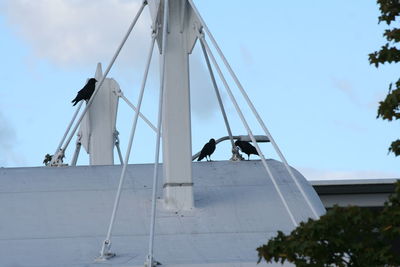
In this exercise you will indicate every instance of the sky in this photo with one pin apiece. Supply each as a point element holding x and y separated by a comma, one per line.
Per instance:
<point>304,64</point>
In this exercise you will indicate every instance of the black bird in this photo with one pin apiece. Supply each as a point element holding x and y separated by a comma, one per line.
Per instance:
<point>207,150</point>
<point>86,92</point>
<point>246,148</point>
<point>47,159</point>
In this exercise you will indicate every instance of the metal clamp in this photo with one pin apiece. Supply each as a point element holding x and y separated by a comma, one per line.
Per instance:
<point>105,253</point>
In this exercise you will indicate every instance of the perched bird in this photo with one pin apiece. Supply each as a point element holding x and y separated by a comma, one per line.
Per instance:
<point>47,159</point>
<point>246,148</point>
<point>207,150</point>
<point>86,92</point>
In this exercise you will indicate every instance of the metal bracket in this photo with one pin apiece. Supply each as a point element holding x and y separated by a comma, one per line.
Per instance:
<point>236,156</point>
<point>116,144</point>
<point>116,137</point>
<point>105,253</point>
<point>118,93</point>
<point>57,159</point>
<point>199,30</point>
<point>150,262</point>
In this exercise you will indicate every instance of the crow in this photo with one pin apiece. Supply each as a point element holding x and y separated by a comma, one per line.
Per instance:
<point>86,92</point>
<point>246,148</point>
<point>47,159</point>
<point>207,150</point>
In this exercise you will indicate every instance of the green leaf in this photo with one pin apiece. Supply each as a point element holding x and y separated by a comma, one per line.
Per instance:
<point>344,236</point>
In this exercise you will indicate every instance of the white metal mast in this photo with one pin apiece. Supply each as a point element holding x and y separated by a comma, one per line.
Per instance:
<point>176,124</point>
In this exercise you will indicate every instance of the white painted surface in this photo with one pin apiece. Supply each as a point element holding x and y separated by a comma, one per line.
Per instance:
<point>59,216</point>
<point>176,124</point>
<point>98,125</point>
<point>154,8</point>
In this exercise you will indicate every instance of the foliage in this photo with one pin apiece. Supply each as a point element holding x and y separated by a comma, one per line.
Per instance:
<point>344,236</point>
<point>389,108</point>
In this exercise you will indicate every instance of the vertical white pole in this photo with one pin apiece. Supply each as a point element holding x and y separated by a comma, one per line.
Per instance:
<point>176,132</point>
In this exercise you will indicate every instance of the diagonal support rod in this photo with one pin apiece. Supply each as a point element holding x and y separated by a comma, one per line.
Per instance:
<point>55,156</point>
<point>76,153</point>
<point>61,151</point>
<point>116,144</point>
<point>221,105</point>
<point>238,110</point>
<point>105,250</point>
<point>147,121</point>
<point>260,121</point>
<point>150,257</point>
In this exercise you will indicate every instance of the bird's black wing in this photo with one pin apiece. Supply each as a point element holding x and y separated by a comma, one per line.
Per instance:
<point>204,151</point>
<point>252,149</point>
<point>246,147</point>
<point>202,156</point>
<point>84,94</point>
<point>211,148</point>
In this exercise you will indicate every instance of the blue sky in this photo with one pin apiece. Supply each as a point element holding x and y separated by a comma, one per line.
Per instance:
<point>304,65</point>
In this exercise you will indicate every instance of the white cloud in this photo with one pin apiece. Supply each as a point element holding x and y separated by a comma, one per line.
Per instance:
<point>320,174</point>
<point>73,32</point>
